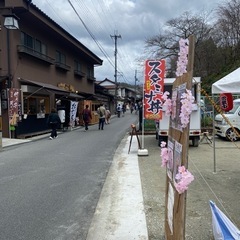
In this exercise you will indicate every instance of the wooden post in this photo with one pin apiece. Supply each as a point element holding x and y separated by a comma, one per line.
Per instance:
<point>134,132</point>
<point>175,203</point>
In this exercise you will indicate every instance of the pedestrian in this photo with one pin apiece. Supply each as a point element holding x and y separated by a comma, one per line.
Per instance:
<point>123,109</point>
<point>53,122</point>
<point>136,108</point>
<point>87,116</point>
<point>108,116</point>
<point>101,116</point>
<point>140,115</point>
<point>132,108</point>
<point>119,110</point>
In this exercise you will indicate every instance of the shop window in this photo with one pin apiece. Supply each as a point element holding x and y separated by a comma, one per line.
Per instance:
<point>36,105</point>
<point>95,106</point>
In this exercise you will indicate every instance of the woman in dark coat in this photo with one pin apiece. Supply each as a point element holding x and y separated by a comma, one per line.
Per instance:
<point>87,116</point>
<point>53,121</point>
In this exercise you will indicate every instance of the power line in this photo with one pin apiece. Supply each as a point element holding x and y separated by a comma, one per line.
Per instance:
<point>97,21</point>
<point>91,34</point>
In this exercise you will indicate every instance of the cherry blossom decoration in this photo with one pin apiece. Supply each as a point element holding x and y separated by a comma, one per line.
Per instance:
<point>164,154</point>
<point>183,179</point>
<point>167,103</point>
<point>187,101</point>
<point>182,57</point>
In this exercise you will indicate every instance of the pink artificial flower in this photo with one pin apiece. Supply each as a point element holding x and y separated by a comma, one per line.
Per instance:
<point>183,57</point>
<point>167,103</point>
<point>183,179</point>
<point>164,154</point>
<point>187,101</point>
<point>165,95</point>
<point>181,169</point>
<point>163,144</point>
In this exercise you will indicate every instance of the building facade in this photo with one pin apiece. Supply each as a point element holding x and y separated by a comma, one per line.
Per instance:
<point>124,94</point>
<point>41,67</point>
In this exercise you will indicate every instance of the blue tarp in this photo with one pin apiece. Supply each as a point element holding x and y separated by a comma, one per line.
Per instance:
<point>223,228</point>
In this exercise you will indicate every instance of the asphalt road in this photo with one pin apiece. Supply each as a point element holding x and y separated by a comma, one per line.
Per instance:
<point>49,189</point>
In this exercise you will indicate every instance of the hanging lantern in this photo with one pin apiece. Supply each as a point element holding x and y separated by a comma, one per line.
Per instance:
<point>226,101</point>
<point>11,21</point>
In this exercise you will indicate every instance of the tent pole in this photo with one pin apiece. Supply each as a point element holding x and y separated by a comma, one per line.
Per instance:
<point>214,148</point>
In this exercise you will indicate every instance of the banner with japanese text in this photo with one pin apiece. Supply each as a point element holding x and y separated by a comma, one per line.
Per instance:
<point>153,89</point>
<point>14,109</point>
<point>73,112</point>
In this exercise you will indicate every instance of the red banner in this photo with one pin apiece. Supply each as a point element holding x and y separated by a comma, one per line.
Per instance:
<point>226,101</point>
<point>153,89</point>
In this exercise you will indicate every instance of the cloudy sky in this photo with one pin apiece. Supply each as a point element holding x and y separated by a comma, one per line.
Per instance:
<point>95,22</point>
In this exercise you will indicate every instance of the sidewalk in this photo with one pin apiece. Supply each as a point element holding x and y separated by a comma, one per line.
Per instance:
<point>6,142</point>
<point>120,212</point>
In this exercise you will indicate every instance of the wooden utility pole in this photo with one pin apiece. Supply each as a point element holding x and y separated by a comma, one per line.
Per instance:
<point>135,88</point>
<point>115,74</point>
<point>175,203</point>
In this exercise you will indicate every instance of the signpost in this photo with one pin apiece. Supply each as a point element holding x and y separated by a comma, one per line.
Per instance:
<point>178,142</point>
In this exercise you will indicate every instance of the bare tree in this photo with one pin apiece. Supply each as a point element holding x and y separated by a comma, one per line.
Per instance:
<point>165,45</point>
<point>228,34</point>
<point>217,47</point>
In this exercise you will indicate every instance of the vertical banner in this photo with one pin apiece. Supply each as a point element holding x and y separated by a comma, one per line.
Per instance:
<point>153,89</point>
<point>13,101</point>
<point>73,112</point>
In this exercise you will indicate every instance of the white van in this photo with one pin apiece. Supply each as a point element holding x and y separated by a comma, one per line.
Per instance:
<point>222,129</point>
<point>195,120</point>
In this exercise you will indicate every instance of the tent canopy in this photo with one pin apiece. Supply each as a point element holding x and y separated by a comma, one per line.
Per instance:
<point>228,84</point>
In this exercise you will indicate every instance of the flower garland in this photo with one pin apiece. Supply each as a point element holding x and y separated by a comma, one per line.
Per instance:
<point>186,109</point>
<point>183,179</point>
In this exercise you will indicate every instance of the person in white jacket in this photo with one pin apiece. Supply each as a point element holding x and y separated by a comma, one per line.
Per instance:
<point>101,116</point>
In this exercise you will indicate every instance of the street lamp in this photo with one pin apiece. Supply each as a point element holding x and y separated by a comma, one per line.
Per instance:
<point>10,23</point>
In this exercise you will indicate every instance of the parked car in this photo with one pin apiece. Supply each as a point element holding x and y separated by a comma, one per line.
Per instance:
<point>223,129</point>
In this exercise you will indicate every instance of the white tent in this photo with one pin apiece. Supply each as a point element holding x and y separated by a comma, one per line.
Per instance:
<point>228,84</point>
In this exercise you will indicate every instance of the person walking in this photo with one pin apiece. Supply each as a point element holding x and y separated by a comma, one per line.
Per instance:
<point>123,109</point>
<point>108,116</point>
<point>53,122</point>
<point>119,110</point>
<point>87,116</point>
<point>132,107</point>
<point>101,116</point>
<point>140,115</point>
